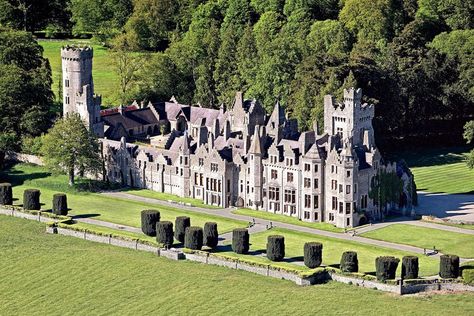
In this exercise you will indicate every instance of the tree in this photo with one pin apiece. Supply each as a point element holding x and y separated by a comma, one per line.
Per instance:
<point>69,146</point>
<point>385,188</point>
<point>469,137</point>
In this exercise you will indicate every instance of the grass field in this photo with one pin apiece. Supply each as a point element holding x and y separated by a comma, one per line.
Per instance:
<point>446,242</point>
<point>105,79</point>
<point>167,196</point>
<point>97,206</point>
<point>57,275</point>
<point>332,250</point>
<point>286,219</point>
<point>441,170</point>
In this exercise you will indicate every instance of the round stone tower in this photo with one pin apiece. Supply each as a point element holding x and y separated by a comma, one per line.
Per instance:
<point>78,86</point>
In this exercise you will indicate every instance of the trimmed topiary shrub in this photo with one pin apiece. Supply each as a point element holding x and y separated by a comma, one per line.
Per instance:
<point>6,194</point>
<point>410,267</point>
<point>180,224</point>
<point>240,240</point>
<point>193,238</point>
<point>31,199</point>
<point>211,235</point>
<point>60,204</point>
<point>164,233</point>
<point>349,262</point>
<point>275,247</point>
<point>449,266</point>
<point>386,267</point>
<point>149,220</point>
<point>313,254</point>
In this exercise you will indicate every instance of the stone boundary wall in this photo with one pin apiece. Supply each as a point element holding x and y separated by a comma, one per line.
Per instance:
<point>433,219</point>
<point>19,157</point>
<point>205,258</point>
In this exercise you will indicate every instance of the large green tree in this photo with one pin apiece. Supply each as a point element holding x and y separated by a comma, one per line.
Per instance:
<point>69,147</point>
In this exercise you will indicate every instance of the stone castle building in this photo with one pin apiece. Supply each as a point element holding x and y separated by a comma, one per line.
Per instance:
<point>240,156</point>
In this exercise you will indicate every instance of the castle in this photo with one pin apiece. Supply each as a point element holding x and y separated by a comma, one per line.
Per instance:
<point>238,157</point>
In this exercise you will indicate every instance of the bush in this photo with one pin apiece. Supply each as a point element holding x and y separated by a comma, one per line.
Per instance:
<point>349,262</point>
<point>386,267</point>
<point>181,223</point>
<point>410,267</point>
<point>211,235</point>
<point>275,247</point>
<point>449,266</point>
<point>31,199</point>
<point>313,254</point>
<point>193,238</point>
<point>149,220</point>
<point>60,204</point>
<point>240,240</point>
<point>6,194</point>
<point>164,233</point>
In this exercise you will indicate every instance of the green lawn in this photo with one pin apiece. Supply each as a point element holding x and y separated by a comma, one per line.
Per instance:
<point>286,219</point>
<point>46,274</point>
<point>440,169</point>
<point>332,250</point>
<point>463,226</point>
<point>106,81</point>
<point>166,196</point>
<point>446,242</point>
<point>97,206</point>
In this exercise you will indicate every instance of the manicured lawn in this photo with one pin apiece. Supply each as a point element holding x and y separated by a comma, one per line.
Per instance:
<point>167,196</point>
<point>440,169</point>
<point>463,226</point>
<point>55,275</point>
<point>286,219</point>
<point>105,79</point>
<point>98,206</point>
<point>446,242</point>
<point>333,249</point>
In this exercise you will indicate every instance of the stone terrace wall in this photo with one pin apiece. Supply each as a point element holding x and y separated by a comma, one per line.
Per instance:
<point>19,157</point>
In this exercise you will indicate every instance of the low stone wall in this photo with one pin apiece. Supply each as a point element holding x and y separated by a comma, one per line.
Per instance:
<point>433,219</point>
<point>347,279</point>
<point>19,157</point>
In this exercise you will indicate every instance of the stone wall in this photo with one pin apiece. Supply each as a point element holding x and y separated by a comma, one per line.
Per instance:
<point>19,157</point>
<point>433,219</point>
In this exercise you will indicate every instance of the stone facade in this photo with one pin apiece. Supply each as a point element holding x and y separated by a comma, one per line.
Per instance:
<point>240,156</point>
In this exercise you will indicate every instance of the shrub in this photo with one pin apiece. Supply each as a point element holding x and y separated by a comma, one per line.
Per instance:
<point>275,247</point>
<point>60,204</point>
<point>164,233</point>
<point>240,240</point>
<point>386,267</point>
<point>410,267</point>
<point>449,266</point>
<point>193,238</point>
<point>31,199</point>
<point>6,194</point>
<point>149,220</point>
<point>211,235</point>
<point>181,223</point>
<point>313,254</point>
<point>349,262</point>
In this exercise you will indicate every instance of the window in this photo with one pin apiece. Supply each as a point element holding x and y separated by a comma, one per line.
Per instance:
<point>186,161</point>
<point>316,183</point>
<point>274,174</point>
<point>355,188</point>
<point>307,215</point>
<point>363,202</point>
<point>315,202</point>
<point>181,160</point>
<point>315,168</point>
<point>274,194</point>
<point>307,201</point>
<point>334,203</point>
<point>214,167</point>
<point>66,83</point>
<point>331,217</point>
<point>290,196</point>
<point>332,168</point>
<point>307,167</point>
<point>341,207</point>
<point>315,216</point>
<point>348,222</point>
<point>334,184</point>
<point>201,161</point>
<point>348,173</point>
<point>67,99</point>
<point>340,188</point>
<point>307,182</point>
<point>348,189</point>
<point>348,208</point>
<point>289,177</point>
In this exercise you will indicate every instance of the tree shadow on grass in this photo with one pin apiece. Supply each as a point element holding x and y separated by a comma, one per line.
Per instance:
<point>293,259</point>
<point>85,215</point>
<point>16,177</point>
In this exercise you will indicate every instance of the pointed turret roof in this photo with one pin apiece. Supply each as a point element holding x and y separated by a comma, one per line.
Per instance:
<point>278,115</point>
<point>256,146</point>
<point>185,145</point>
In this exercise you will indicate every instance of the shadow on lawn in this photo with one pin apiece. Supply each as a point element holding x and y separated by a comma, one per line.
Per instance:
<point>17,177</point>
<point>85,215</point>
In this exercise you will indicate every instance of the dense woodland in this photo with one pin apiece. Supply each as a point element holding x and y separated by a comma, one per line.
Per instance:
<point>412,58</point>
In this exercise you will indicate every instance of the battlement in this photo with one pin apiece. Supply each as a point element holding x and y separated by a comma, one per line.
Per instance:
<point>352,94</point>
<point>77,52</point>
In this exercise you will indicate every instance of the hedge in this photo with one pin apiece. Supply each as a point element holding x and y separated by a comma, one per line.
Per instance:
<point>211,235</point>
<point>240,240</point>
<point>180,224</point>
<point>164,233</point>
<point>349,262</point>
<point>449,266</point>
<point>410,267</point>
<point>60,204</point>
<point>149,220</point>
<point>313,254</point>
<point>31,199</point>
<point>6,194</point>
<point>386,267</point>
<point>193,238</point>
<point>275,247</point>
